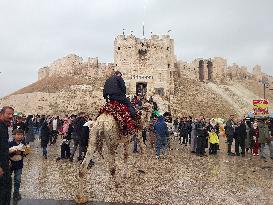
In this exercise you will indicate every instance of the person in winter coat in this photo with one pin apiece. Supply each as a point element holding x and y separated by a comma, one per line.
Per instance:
<point>16,150</point>
<point>30,137</point>
<point>19,124</point>
<point>175,124</point>
<point>183,130</point>
<point>248,137</point>
<point>66,132</point>
<point>45,136</point>
<point>213,129</point>
<point>265,139</point>
<point>230,131</point>
<point>240,138</point>
<point>201,133</point>
<point>254,132</point>
<point>115,89</point>
<point>193,137</point>
<point>6,114</point>
<point>78,137</point>
<point>162,135</point>
<point>189,121</point>
<point>55,127</point>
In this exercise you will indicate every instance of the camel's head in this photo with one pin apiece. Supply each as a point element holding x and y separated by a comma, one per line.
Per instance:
<point>146,112</point>
<point>147,107</point>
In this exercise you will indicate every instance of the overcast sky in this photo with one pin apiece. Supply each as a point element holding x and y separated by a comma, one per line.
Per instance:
<point>33,33</point>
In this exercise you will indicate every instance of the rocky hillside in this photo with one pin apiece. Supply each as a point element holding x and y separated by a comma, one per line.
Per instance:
<point>58,95</point>
<point>67,95</point>
<point>216,100</point>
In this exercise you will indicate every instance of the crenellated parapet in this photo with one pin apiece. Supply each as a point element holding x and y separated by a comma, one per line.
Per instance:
<point>73,65</point>
<point>149,64</point>
<point>216,69</point>
<point>146,62</point>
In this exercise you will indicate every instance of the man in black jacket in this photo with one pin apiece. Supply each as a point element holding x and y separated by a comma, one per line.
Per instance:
<point>78,137</point>
<point>230,131</point>
<point>183,129</point>
<point>189,122</point>
<point>115,89</point>
<point>240,137</point>
<point>45,136</point>
<point>6,114</point>
<point>200,136</point>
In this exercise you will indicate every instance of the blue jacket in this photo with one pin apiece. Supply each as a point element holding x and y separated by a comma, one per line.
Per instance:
<point>161,128</point>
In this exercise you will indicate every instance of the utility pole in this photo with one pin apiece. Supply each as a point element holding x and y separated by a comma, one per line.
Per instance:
<point>265,85</point>
<point>264,91</point>
<point>143,31</point>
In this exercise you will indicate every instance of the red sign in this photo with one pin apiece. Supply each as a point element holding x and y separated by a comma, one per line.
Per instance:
<point>260,107</point>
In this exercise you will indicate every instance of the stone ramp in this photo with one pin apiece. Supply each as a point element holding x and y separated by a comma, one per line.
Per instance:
<point>63,202</point>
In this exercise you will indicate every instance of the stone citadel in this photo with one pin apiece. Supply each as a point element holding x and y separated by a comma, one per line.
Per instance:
<point>150,66</point>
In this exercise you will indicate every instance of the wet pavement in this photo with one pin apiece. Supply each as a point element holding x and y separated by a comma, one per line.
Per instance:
<point>181,178</point>
<point>62,202</point>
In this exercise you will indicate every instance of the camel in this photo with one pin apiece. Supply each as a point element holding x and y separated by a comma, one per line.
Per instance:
<point>105,130</point>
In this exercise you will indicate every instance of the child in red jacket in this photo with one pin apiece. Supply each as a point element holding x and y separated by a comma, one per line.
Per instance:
<point>255,141</point>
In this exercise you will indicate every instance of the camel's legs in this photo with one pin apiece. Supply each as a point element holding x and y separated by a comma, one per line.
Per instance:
<point>140,142</point>
<point>125,154</point>
<point>90,150</point>
<point>99,143</point>
<point>112,153</point>
<point>111,147</point>
<point>81,198</point>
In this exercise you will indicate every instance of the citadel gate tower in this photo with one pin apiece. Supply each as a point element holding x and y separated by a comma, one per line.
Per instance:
<point>147,65</point>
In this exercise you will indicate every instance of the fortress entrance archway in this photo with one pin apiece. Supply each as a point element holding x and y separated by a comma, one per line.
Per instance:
<point>141,88</point>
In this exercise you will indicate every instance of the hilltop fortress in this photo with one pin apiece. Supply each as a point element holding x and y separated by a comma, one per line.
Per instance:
<point>210,86</point>
<point>150,66</point>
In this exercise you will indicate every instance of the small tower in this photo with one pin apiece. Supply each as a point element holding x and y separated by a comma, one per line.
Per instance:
<point>146,64</point>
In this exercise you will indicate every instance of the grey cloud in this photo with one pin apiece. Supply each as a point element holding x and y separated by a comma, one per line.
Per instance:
<point>34,33</point>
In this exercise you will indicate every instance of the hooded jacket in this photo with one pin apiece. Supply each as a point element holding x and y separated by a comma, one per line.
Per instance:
<point>114,86</point>
<point>229,129</point>
<point>45,134</point>
<point>161,128</point>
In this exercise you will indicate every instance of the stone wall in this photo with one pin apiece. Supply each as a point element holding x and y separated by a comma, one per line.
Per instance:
<point>217,70</point>
<point>149,61</point>
<point>151,64</point>
<point>65,66</point>
<point>72,65</point>
<point>212,69</point>
<point>236,72</point>
<point>257,73</point>
<point>43,73</point>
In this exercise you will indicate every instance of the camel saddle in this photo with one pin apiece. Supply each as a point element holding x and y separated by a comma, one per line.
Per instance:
<point>127,125</point>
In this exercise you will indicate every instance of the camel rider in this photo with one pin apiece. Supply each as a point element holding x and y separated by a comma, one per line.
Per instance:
<point>115,89</point>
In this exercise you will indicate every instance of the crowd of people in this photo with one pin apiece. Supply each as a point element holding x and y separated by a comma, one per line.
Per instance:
<point>247,135</point>
<point>250,136</point>
<point>72,130</point>
<point>17,134</point>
